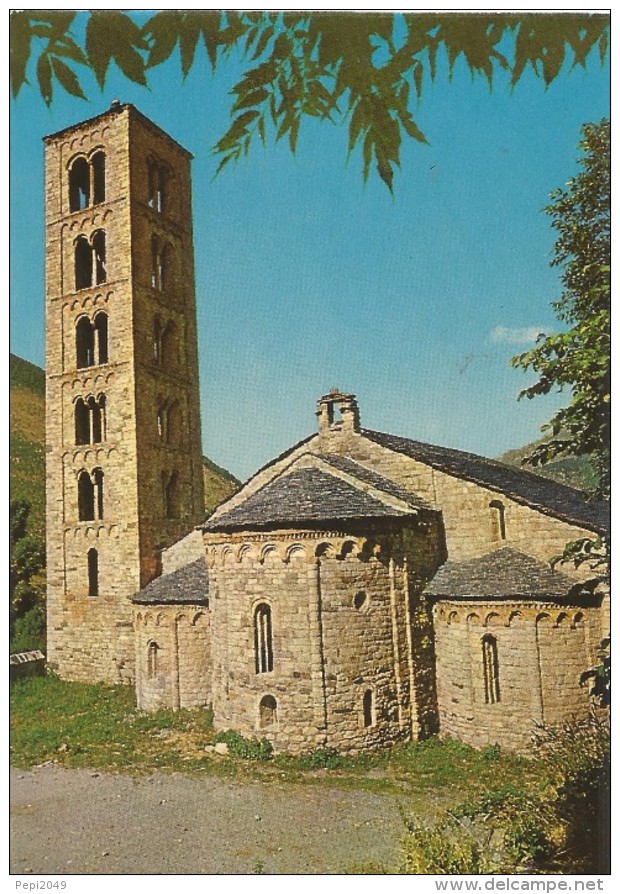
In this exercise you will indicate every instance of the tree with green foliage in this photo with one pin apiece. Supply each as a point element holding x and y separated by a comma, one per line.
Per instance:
<point>365,70</point>
<point>579,359</point>
<point>26,589</point>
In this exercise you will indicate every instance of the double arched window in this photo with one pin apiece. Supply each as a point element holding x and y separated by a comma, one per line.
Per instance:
<point>91,341</point>
<point>90,260</point>
<point>87,181</point>
<point>90,495</point>
<point>90,427</point>
<point>263,639</point>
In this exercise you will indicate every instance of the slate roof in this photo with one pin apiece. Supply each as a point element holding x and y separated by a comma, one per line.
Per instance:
<point>186,586</point>
<point>505,573</point>
<point>306,495</point>
<point>555,499</point>
<point>344,464</point>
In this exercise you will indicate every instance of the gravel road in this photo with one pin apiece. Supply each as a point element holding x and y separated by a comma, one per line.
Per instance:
<point>79,821</point>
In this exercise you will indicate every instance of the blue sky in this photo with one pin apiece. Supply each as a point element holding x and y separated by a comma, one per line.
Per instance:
<point>307,279</point>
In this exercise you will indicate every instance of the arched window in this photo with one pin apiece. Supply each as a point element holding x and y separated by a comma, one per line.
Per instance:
<point>368,708</point>
<point>267,711</point>
<point>99,257</point>
<point>157,264</point>
<point>86,497</point>
<point>168,347</point>
<point>490,667</point>
<point>93,572</point>
<point>82,422</point>
<point>91,341</point>
<point>157,340</point>
<point>101,337</point>
<point>170,493</point>
<point>98,478</point>
<point>79,185</point>
<point>98,169</point>
<point>157,186</point>
<point>90,427</point>
<point>263,641</point>
<point>83,263</point>
<point>87,182</point>
<point>90,261</point>
<point>84,343</point>
<point>152,659</point>
<point>498,520</point>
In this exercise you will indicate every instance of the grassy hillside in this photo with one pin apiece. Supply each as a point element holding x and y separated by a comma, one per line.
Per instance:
<point>219,484</point>
<point>576,471</point>
<point>27,447</point>
<point>27,439</point>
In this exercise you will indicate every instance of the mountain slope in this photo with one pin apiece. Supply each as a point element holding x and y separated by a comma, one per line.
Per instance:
<point>27,439</point>
<point>576,471</point>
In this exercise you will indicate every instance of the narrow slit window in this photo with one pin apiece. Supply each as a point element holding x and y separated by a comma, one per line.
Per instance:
<point>490,667</point>
<point>498,520</point>
<point>263,639</point>
<point>93,572</point>
<point>368,708</point>
<point>152,661</point>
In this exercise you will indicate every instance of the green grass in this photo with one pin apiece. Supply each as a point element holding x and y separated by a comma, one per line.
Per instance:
<point>97,726</point>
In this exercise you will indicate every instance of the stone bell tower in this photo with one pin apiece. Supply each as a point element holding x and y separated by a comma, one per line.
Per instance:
<point>124,467</point>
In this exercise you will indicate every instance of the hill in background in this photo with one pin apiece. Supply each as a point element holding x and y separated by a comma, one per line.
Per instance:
<point>576,471</point>
<point>27,439</point>
<point>27,447</point>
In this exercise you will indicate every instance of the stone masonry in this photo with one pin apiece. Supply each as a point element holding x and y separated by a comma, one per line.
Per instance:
<point>123,430</point>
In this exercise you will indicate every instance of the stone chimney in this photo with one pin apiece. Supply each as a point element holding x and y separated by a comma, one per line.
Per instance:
<point>338,414</point>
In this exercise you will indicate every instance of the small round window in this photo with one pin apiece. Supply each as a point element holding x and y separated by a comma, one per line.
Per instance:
<point>361,601</point>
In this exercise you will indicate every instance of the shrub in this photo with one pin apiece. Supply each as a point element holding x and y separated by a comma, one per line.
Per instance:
<point>29,631</point>
<point>248,749</point>
<point>445,849</point>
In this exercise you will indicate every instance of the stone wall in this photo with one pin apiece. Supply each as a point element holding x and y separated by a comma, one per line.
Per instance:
<point>351,641</point>
<point>173,657</point>
<point>90,636</point>
<point>541,652</point>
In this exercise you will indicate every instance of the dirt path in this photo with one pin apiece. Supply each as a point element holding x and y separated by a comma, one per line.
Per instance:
<point>79,821</point>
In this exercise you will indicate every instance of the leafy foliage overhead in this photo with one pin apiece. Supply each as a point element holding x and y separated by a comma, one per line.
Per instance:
<point>366,70</point>
<point>579,359</point>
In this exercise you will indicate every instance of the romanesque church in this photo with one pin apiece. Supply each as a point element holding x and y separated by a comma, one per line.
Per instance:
<point>360,590</point>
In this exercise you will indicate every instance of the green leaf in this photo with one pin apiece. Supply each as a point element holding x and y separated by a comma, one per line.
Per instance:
<point>161,33</point>
<point>263,40</point>
<point>113,35</point>
<point>44,77</point>
<point>67,78</point>
<point>294,133</point>
<point>412,128</point>
<point>19,36</point>
<point>189,32</point>
<point>254,98</point>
